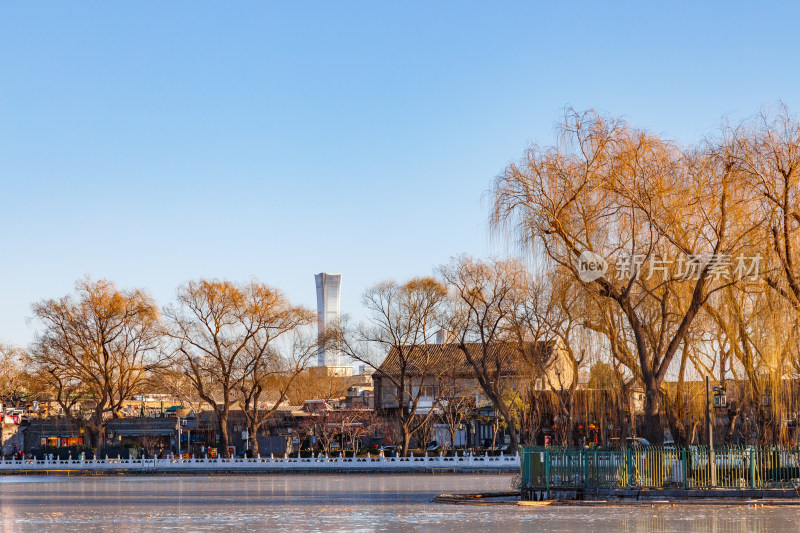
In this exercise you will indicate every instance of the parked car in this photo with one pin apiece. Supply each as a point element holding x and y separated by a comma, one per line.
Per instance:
<point>636,442</point>
<point>388,451</point>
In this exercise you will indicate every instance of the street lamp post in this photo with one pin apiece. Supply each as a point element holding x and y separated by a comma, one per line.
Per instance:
<point>178,425</point>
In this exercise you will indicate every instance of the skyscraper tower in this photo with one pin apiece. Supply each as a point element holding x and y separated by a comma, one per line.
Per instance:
<point>328,286</point>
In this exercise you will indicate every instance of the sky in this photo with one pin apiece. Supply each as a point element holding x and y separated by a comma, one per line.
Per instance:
<point>153,143</point>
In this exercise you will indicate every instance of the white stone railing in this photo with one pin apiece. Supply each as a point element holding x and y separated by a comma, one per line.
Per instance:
<point>270,464</point>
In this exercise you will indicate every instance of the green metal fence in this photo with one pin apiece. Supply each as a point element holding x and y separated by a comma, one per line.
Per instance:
<point>653,467</point>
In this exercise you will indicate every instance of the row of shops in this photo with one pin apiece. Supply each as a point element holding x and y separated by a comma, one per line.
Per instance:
<point>162,434</point>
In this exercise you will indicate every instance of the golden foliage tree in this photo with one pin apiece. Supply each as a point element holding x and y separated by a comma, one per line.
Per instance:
<point>647,207</point>
<point>224,338</point>
<point>101,342</point>
<point>12,374</point>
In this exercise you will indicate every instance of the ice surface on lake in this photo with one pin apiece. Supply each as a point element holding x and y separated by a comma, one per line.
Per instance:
<point>349,503</point>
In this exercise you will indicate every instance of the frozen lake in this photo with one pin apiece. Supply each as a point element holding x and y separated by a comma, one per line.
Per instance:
<point>376,502</point>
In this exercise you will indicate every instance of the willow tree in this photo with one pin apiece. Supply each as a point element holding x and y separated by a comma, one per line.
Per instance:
<point>648,225</point>
<point>101,341</point>
<point>553,308</point>
<point>756,339</point>
<point>224,337</point>
<point>768,154</point>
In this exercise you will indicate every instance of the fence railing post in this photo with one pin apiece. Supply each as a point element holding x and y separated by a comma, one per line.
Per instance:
<point>547,470</point>
<point>628,467</point>
<point>752,469</point>
<point>585,468</point>
<point>685,468</point>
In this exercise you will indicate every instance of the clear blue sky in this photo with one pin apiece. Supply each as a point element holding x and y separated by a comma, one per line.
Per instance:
<point>155,142</point>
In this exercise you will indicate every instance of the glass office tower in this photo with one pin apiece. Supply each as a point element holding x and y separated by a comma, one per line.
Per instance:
<point>328,286</point>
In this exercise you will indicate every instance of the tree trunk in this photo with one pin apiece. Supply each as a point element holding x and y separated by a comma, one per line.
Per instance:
<point>513,432</point>
<point>452,430</point>
<point>253,434</point>
<point>222,428</point>
<point>652,430</point>
<point>693,435</point>
<point>98,438</point>
<point>732,426</point>
<point>406,440</point>
<point>97,429</point>
<point>569,428</point>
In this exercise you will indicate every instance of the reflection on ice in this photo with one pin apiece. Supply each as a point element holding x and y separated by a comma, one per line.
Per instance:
<point>333,503</point>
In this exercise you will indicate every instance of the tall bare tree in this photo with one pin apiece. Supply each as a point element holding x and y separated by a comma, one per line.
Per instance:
<point>397,342</point>
<point>456,405</point>
<point>486,297</point>
<point>224,336</point>
<point>65,388</point>
<point>271,367</point>
<point>553,308</point>
<point>102,341</point>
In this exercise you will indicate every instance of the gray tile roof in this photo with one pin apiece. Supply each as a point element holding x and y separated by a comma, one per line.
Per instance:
<point>510,359</point>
